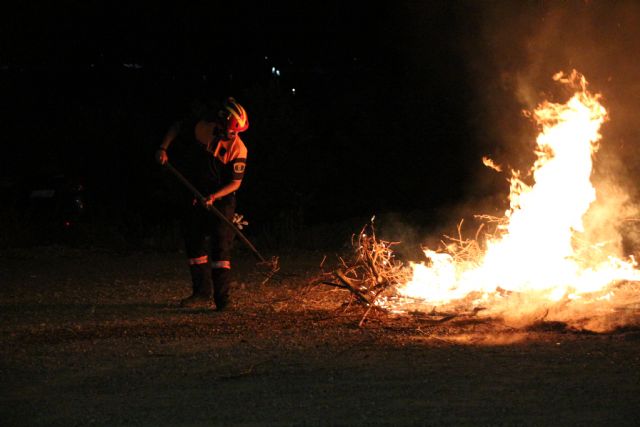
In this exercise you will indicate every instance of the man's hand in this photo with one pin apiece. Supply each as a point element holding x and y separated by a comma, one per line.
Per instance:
<point>209,200</point>
<point>161,156</point>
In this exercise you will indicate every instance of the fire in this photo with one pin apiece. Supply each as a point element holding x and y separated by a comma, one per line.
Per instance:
<point>490,164</point>
<point>537,252</point>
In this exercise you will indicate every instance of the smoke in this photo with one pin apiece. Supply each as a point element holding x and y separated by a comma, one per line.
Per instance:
<point>523,311</point>
<point>611,221</point>
<point>510,59</point>
<point>518,46</point>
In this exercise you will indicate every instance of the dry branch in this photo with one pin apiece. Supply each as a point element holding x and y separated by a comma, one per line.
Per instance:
<point>371,272</point>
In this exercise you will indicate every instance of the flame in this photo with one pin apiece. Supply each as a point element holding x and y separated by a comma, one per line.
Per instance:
<point>536,251</point>
<point>491,164</point>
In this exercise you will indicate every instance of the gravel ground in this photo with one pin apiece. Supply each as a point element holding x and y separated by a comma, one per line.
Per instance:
<point>91,337</point>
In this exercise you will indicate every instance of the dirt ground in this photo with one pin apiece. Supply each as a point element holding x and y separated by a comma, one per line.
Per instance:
<point>97,338</point>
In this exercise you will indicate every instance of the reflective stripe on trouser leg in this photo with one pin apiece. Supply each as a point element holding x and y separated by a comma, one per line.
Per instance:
<point>199,260</point>
<point>221,264</point>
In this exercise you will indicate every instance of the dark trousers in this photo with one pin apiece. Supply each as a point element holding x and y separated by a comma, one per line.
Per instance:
<point>208,243</point>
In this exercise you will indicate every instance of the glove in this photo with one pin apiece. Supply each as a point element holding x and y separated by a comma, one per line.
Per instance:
<point>239,221</point>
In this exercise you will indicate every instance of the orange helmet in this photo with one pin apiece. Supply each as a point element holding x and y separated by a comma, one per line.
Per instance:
<point>236,116</point>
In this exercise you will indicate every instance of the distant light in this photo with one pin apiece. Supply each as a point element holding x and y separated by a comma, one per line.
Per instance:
<point>293,90</point>
<point>273,70</point>
<point>266,57</point>
<point>277,72</point>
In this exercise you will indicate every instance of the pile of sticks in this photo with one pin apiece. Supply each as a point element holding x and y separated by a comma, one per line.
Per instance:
<point>372,271</point>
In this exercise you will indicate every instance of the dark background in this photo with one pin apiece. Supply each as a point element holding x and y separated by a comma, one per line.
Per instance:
<point>393,109</point>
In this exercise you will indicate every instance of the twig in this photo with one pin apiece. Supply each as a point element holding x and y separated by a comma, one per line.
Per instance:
<point>366,313</point>
<point>354,291</point>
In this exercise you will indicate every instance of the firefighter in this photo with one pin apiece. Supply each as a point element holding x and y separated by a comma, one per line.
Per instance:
<point>208,150</point>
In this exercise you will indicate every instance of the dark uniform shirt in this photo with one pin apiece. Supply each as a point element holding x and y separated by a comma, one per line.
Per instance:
<point>205,159</point>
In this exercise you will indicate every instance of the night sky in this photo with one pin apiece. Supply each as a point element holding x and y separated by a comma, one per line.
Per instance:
<point>354,109</point>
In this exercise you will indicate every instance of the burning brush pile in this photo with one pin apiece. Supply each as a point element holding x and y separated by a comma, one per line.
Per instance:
<point>546,259</point>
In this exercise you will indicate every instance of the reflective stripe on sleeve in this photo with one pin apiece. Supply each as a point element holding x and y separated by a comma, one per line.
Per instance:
<point>200,260</point>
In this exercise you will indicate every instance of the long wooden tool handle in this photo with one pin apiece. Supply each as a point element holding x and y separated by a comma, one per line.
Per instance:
<point>213,210</point>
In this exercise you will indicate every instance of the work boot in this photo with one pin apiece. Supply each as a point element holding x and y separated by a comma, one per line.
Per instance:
<point>221,281</point>
<point>202,286</point>
<point>224,303</point>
